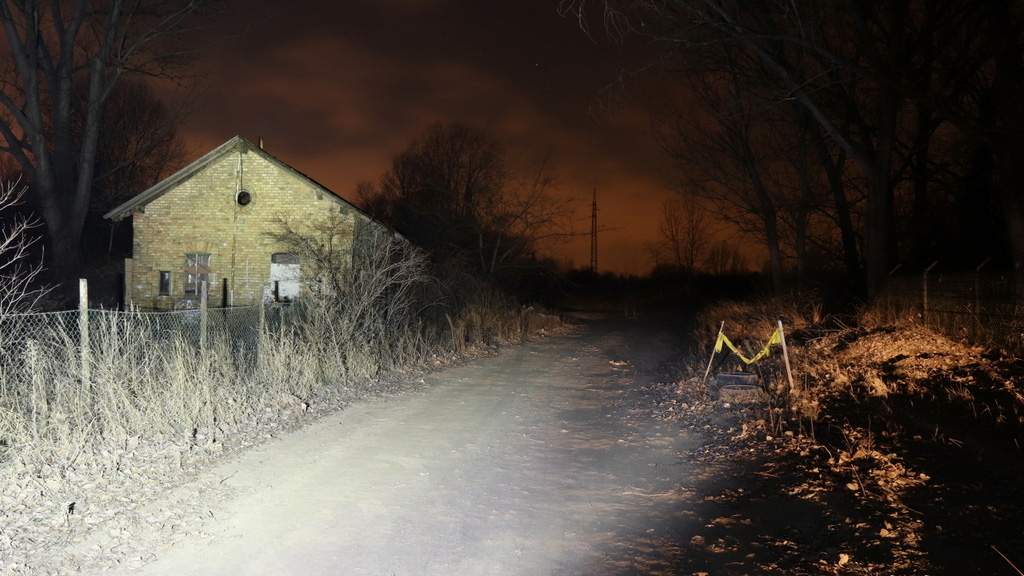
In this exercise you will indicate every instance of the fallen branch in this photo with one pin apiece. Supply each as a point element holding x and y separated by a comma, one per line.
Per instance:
<point>1014,566</point>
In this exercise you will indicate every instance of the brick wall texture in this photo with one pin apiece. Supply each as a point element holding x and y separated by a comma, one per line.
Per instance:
<point>202,214</point>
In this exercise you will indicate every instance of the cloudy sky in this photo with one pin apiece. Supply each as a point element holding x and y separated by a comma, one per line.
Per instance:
<point>336,88</point>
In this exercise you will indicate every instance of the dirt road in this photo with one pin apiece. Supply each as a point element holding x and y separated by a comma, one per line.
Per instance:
<point>528,462</point>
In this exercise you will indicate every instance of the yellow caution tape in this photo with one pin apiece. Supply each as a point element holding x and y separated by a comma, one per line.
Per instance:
<point>775,339</point>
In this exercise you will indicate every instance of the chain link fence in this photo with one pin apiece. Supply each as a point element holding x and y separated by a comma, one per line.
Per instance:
<point>239,329</point>
<point>984,308</point>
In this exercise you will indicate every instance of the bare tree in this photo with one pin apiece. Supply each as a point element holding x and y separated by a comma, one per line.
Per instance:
<point>65,60</point>
<point>519,220</point>
<point>451,189</point>
<point>861,71</point>
<point>684,233</point>
<point>434,187</point>
<point>368,289</point>
<point>139,144</point>
<point>20,288</point>
<point>728,149</point>
<point>725,258</point>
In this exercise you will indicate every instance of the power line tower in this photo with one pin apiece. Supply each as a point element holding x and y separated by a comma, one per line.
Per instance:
<point>593,233</point>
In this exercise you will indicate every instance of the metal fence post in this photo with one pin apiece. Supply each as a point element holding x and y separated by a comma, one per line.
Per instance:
<point>83,330</point>
<point>890,309</point>
<point>924,298</point>
<point>263,317</point>
<point>977,286</point>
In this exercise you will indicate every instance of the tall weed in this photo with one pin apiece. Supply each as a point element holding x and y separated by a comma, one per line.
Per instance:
<point>146,380</point>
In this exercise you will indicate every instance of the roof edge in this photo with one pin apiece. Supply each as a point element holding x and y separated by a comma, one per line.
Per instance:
<point>139,201</point>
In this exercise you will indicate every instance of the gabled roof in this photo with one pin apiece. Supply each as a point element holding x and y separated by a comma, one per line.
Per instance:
<point>234,145</point>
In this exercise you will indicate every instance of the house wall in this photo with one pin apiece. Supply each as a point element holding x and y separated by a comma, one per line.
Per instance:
<point>201,214</point>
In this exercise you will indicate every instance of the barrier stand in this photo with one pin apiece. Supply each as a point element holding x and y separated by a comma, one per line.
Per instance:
<point>778,337</point>
<point>713,350</point>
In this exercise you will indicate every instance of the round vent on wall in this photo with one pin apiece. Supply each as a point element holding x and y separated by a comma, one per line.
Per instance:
<point>243,197</point>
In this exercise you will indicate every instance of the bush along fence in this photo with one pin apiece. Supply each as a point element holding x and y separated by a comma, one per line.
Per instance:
<point>978,306</point>
<point>72,381</point>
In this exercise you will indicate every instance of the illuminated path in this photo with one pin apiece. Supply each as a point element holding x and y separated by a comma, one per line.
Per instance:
<point>524,463</point>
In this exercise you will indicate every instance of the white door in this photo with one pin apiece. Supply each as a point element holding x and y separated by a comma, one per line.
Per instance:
<point>285,275</point>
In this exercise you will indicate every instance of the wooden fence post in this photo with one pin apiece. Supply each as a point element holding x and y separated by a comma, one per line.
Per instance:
<point>128,274</point>
<point>202,315</point>
<point>83,331</point>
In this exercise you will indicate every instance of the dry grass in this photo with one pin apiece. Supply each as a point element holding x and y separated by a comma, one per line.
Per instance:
<point>997,322</point>
<point>855,378</point>
<point>758,319</point>
<point>904,436</point>
<point>147,382</point>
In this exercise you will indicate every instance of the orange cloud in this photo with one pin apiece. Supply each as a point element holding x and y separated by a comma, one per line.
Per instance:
<point>337,100</point>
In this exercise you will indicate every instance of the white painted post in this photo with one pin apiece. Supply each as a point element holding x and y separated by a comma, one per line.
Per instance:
<point>83,330</point>
<point>785,358</point>
<point>710,360</point>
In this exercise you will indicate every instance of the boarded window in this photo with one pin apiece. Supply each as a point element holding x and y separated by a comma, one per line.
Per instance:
<point>284,258</point>
<point>197,271</point>
<point>165,282</point>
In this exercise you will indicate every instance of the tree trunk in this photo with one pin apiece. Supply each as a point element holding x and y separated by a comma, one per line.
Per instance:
<point>1013,216</point>
<point>1008,121</point>
<point>1010,172</point>
<point>58,80</point>
<point>771,237</point>
<point>63,196</point>
<point>880,218</point>
<point>769,217</point>
<point>921,177</point>
<point>847,234</point>
<point>65,245</point>
<point>802,211</point>
<point>63,203</point>
<point>877,244</point>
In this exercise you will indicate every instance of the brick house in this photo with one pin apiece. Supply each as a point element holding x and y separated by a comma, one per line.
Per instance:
<point>211,220</point>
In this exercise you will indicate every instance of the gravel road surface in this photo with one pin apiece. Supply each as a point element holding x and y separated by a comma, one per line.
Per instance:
<point>528,462</point>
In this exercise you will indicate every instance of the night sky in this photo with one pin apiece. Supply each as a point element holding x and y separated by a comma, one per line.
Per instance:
<point>336,89</point>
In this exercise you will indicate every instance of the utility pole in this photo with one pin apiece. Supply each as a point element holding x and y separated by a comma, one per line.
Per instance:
<point>593,233</point>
